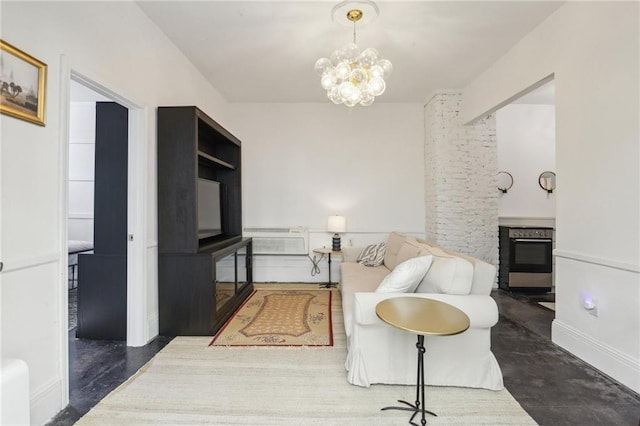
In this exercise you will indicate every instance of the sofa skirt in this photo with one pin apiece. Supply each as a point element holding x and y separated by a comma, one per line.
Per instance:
<point>383,354</point>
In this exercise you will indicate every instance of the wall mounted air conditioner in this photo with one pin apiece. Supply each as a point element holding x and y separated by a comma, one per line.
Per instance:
<point>279,241</point>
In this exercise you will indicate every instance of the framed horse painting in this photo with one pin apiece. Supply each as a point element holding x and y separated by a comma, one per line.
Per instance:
<point>22,84</point>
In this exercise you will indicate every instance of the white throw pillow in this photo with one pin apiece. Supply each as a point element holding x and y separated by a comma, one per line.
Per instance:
<point>448,274</point>
<point>406,276</point>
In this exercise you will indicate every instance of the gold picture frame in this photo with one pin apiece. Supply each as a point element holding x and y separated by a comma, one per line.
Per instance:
<point>22,84</point>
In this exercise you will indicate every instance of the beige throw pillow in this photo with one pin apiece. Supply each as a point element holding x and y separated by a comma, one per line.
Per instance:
<point>406,276</point>
<point>394,243</point>
<point>409,249</point>
<point>448,274</point>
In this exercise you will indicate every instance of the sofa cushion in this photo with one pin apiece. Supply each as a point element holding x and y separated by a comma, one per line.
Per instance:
<point>372,255</point>
<point>394,243</point>
<point>448,274</point>
<point>484,274</point>
<point>406,276</point>
<point>356,277</point>
<point>409,249</point>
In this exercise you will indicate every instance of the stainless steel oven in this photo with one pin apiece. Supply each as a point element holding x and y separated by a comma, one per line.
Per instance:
<point>526,258</point>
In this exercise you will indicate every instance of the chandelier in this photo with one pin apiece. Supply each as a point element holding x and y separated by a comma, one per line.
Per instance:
<point>351,76</point>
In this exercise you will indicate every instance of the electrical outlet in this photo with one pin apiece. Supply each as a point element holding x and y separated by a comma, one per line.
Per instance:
<point>590,304</point>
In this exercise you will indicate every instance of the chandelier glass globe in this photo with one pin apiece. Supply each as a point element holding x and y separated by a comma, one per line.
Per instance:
<point>352,77</point>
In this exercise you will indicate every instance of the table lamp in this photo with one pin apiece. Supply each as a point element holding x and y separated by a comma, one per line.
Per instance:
<point>337,225</point>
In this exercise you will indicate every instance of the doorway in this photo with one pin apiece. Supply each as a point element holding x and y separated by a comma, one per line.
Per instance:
<point>526,146</point>
<point>139,330</point>
<point>98,163</point>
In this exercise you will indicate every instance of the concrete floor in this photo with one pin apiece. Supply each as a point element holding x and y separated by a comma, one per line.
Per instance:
<point>553,386</point>
<point>96,367</point>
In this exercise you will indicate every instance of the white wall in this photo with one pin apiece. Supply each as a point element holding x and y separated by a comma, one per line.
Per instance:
<point>304,162</point>
<point>115,45</point>
<point>82,146</point>
<point>592,48</point>
<point>526,147</point>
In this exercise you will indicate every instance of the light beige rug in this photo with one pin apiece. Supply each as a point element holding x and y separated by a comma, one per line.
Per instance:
<point>191,383</point>
<point>548,305</point>
<point>280,318</point>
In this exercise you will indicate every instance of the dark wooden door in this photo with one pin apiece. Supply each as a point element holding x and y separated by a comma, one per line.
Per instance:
<point>110,205</point>
<point>102,283</point>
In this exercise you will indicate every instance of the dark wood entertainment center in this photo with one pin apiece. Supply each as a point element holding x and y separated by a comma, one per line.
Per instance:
<point>203,278</point>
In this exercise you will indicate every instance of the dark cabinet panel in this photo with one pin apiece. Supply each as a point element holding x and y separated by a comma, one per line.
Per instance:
<point>111,160</point>
<point>198,292</point>
<point>102,297</point>
<point>177,173</point>
<point>185,294</point>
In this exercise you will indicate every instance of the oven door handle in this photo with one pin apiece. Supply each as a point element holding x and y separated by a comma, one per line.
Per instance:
<point>531,240</point>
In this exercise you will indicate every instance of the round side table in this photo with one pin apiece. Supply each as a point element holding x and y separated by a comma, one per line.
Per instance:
<point>424,317</point>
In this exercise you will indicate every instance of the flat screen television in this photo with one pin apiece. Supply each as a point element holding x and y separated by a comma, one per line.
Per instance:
<point>209,209</point>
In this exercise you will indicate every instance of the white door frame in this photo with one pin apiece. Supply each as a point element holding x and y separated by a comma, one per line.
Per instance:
<point>137,309</point>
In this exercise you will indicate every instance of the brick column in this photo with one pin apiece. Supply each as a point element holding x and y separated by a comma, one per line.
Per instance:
<point>460,180</point>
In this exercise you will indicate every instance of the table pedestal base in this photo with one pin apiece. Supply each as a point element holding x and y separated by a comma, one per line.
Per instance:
<point>419,406</point>
<point>316,267</point>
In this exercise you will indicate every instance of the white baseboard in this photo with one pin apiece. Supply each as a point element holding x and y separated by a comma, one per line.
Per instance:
<point>610,361</point>
<point>153,326</point>
<point>46,402</point>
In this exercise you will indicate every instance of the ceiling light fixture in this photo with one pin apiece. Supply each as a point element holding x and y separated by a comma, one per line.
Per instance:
<point>349,76</point>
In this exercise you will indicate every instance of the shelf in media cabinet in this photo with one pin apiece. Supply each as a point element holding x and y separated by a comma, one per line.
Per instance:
<point>206,158</point>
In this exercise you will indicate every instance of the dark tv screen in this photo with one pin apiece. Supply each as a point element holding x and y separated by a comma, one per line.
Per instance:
<point>209,210</point>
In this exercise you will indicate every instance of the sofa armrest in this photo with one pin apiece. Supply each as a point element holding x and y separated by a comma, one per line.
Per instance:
<point>350,254</point>
<point>481,310</point>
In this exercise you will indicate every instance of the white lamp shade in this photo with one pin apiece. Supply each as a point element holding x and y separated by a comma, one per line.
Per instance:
<point>337,224</point>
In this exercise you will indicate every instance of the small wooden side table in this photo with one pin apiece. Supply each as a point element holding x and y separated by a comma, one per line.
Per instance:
<point>328,252</point>
<point>424,317</point>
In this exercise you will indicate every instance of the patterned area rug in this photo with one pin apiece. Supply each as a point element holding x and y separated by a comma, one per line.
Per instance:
<point>280,318</point>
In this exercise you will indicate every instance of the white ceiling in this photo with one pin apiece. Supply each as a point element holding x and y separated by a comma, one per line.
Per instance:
<point>265,51</point>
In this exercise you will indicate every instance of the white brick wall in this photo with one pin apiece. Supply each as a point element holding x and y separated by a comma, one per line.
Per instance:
<point>460,180</point>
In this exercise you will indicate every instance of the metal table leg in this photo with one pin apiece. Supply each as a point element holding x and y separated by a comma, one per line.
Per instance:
<point>419,406</point>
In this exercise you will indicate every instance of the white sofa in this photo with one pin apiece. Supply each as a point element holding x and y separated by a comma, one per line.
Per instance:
<point>380,353</point>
